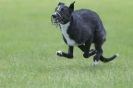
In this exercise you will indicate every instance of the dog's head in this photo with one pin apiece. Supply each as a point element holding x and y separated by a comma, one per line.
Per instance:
<point>62,13</point>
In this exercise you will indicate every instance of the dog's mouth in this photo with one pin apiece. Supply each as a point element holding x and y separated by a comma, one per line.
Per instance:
<point>56,18</point>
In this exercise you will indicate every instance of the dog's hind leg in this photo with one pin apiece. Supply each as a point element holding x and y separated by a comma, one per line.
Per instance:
<point>99,53</point>
<point>87,51</point>
<point>69,54</point>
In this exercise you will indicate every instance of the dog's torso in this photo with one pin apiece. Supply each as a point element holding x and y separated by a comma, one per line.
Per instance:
<point>85,26</point>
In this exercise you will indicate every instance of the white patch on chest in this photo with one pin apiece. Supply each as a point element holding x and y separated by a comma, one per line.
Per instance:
<point>64,28</point>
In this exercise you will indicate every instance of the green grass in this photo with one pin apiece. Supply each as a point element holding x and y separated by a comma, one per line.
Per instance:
<point>28,43</point>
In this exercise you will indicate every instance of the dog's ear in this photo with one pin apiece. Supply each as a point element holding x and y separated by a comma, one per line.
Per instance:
<point>71,7</point>
<point>60,3</point>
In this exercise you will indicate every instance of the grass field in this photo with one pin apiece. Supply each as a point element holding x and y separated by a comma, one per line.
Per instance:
<point>28,43</point>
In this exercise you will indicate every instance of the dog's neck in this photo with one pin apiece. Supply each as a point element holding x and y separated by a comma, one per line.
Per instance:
<point>67,20</point>
<point>65,26</point>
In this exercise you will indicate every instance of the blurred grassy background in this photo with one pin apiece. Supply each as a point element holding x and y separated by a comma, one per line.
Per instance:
<point>28,43</point>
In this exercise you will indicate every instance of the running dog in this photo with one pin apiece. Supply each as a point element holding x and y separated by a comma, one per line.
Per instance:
<point>81,28</point>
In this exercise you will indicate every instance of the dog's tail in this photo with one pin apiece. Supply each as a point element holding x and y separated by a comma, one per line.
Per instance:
<point>105,59</point>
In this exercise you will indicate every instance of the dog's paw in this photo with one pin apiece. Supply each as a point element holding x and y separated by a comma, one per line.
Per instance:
<point>95,62</point>
<point>86,55</point>
<point>59,53</point>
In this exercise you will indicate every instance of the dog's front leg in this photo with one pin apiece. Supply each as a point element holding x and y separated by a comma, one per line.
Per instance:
<point>69,54</point>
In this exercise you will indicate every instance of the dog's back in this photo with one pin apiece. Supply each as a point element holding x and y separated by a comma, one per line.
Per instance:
<point>86,26</point>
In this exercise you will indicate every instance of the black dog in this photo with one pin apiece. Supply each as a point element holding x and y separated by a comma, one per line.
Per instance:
<point>81,28</point>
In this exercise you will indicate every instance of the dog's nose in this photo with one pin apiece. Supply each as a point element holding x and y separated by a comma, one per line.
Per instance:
<point>54,16</point>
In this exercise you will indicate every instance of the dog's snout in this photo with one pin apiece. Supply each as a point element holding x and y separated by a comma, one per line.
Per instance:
<point>54,16</point>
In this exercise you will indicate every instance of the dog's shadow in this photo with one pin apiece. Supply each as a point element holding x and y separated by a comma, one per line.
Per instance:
<point>82,68</point>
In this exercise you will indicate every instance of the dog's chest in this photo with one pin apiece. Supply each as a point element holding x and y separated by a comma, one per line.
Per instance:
<point>64,29</point>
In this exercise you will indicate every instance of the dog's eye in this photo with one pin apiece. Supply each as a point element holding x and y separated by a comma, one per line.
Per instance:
<point>62,9</point>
